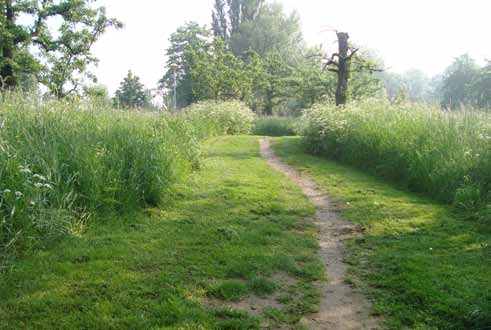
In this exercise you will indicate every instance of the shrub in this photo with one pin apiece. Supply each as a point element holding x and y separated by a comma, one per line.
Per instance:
<point>219,118</point>
<point>446,155</point>
<point>275,126</point>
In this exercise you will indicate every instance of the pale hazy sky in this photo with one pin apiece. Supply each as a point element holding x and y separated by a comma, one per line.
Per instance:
<point>422,34</point>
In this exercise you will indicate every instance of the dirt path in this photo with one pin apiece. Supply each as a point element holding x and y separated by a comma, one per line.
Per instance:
<point>341,308</point>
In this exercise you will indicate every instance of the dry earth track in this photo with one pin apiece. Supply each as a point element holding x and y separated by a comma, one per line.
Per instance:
<point>342,308</point>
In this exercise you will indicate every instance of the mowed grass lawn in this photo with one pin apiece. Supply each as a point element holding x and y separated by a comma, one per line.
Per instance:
<point>233,232</point>
<point>424,265</point>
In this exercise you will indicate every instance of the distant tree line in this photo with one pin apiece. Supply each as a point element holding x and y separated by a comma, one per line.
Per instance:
<point>254,52</point>
<point>464,84</point>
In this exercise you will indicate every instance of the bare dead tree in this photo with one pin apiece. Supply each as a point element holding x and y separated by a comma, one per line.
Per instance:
<point>341,64</point>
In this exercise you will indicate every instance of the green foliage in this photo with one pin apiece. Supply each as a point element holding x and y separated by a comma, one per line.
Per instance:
<point>60,58</point>
<point>457,82</point>
<point>188,39</point>
<point>445,155</point>
<point>220,23</point>
<point>132,94</point>
<point>259,57</point>
<point>481,88</point>
<point>219,118</point>
<point>229,15</point>
<point>163,264</point>
<point>217,74</point>
<point>230,290</point>
<point>275,126</point>
<point>424,265</point>
<point>63,161</point>
<point>412,86</point>
<point>309,84</point>
<point>270,31</point>
<point>263,287</point>
<point>98,94</point>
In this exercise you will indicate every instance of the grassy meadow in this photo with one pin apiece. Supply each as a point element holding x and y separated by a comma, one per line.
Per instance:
<point>445,155</point>
<point>229,240</point>
<point>128,219</point>
<point>423,265</point>
<point>62,163</point>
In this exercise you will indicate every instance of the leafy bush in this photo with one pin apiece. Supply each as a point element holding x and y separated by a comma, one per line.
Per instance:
<point>446,155</point>
<point>217,118</point>
<point>62,161</point>
<point>275,126</point>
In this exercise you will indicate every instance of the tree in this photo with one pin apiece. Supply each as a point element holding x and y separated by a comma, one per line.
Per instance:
<point>217,74</point>
<point>240,11</point>
<point>276,72</point>
<point>187,39</point>
<point>228,16</point>
<point>35,48</point>
<point>219,20</point>
<point>270,31</point>
<point>98,94</point>
<point>481,88</point>
<point>310,83</point>
<point>457,81</point>
<point>132,94</point>
<point>344,63</point>
<point>268,77</point>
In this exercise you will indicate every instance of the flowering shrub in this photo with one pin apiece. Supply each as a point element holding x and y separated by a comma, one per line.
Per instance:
<point>446,155</point>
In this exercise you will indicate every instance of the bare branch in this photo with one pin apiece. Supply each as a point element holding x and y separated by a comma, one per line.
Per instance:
<point>353,53</point>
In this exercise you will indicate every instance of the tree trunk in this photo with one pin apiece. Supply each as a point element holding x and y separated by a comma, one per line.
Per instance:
<point>343,69</point>
<point>268,110</point>
<point>7,69</point>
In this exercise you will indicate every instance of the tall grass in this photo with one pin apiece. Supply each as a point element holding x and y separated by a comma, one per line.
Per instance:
<point>446,155</point>
<point>212,118</point>
<point>275,126</point>
<point>63,161</point>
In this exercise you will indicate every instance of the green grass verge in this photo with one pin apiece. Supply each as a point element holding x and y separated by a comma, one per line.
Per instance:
<point>423,265</point>
<point>275,126</point>
<point>233,230</point>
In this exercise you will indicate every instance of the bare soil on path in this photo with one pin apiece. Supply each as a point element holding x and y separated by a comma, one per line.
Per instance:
<point>342,308</point>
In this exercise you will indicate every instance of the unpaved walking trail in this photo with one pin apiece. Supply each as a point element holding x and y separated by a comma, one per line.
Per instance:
<point>341,308</point>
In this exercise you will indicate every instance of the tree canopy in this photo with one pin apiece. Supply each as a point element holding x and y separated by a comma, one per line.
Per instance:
<point>132,94</point>
<point>54,46</point>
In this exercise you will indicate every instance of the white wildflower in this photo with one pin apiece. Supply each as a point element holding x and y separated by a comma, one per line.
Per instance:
<point>39,177</point>
<point>25,170</point>
<point>18,195</point>
<point>7,191</point>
